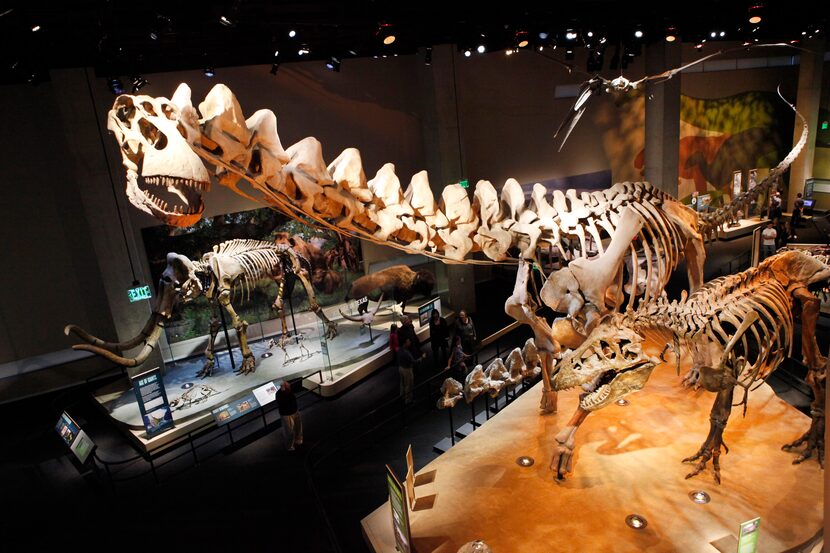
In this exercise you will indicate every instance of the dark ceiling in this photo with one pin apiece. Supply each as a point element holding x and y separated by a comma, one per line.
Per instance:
<point>115,38</point>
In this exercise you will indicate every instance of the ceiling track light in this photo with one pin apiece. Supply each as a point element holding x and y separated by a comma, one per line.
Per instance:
<point>226,21</point>
<point>570,34</point>
<point>139,82</point>
<point>523,39</point>
<point>638,32</point>
<point>671,34</point>
<point>755,14</point>
<point>209,72</point>
<point>36,28</point>
<point>292,33</point>
<point>467,53</point>
<point>386,33</point>
<point>428,56</point>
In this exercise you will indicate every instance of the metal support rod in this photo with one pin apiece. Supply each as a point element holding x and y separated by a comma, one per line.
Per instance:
<point>227,336</point>
<point>293,322</point>
<point>452,427</point>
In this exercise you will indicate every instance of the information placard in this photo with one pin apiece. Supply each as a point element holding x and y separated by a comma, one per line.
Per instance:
<point>400,512</point>
<point>737,177</point>
<point>152,402</point>
<point>235,409</point>
<point>425,311</point>
<point>79,443</point>
<point>748,541</point>
<point>266,393</point>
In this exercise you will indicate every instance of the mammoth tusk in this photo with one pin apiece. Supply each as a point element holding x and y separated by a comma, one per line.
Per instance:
<point>353,319</point>
<point>115,347</point>
<point>149,346</point>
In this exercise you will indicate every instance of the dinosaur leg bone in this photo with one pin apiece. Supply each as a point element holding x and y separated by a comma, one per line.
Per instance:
<point>562,461</point>
<point>241,327</point>
<point>714,441</point>
<point>331,327</point>
<point>210,358</point>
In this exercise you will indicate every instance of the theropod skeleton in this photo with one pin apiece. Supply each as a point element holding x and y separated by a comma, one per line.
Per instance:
<point>165,144</point>
<point>235,264</point>
<point>742,327</point>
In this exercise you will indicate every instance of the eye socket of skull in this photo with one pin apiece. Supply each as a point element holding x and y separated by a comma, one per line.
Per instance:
<point>153,135</point>
<point>148,107</point>
<point>124,110</point>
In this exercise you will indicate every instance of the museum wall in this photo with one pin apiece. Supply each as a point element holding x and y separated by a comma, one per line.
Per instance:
<point>821,167</point>
<point>52,275</point>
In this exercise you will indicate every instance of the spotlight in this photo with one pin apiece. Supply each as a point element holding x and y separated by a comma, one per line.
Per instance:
<point>35,28</point>
<point>525,461</point>
<point>543,35</point>
<point>386,33</point>
<point>569,54</point>
<point>542,48</point>
<point>590,34</point>
<point>671,34</point>
<point>481,49</point>
<point>570,35</point>
<point>274,68</point>
<point>700,497</point>
<point>602,40</point>
<point>638,33</point>
<point>333,64</point>
<point>467,53</point>
<point>209,72</point>
<point>698,46</point>
<point>755,13</point>
<point>303,51</point>
<point>428,56</point>
<point>509,51</point>
<point>713,34</point>
<point>522,39</point>
<point>225,21</point>
<point>154,35</point>
<point>115,85</point>
<point>276,53</point>
<point>637,522</point>
<point>292,33</point>
<point>722,34</point>
<point>139,82</point>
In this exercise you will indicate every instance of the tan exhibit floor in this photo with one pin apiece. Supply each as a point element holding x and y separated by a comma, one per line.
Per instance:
<point>627,461</point>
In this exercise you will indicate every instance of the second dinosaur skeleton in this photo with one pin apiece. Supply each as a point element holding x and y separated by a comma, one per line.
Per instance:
<point>235,264</point>
<point>741,324</point>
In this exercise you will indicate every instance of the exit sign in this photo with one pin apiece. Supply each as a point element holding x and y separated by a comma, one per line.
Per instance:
<point>465,183</point>
<point>139,293</point>
<point>824,125</point>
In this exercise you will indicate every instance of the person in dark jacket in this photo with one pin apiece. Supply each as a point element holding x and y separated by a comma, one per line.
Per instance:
<point>439,334</point>
<point>407,330</point>
<point>292,425</point>
<point>406,368</point>
<point>465,328</point>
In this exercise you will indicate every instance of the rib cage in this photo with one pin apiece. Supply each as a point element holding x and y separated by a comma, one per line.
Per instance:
<point>258,258</point>
<point>717,311</point>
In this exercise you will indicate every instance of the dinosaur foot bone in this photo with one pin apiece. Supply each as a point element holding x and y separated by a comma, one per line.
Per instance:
<point>248,365</point>
<point>709,450</point>
<point>814,438</point>
<point>207,369</point>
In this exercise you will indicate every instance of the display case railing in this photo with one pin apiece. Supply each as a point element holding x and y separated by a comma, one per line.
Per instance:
<point>195,445</point>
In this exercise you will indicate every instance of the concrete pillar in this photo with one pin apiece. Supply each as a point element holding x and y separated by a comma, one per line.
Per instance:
<point>443,150</point>
<point>807,103</point>
<point>663,118</point>
<point>84,113</point>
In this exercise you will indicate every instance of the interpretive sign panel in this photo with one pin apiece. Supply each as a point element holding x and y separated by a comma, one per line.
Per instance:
<point>400,512</point>
<point>425,311</point>
<point>79,443</point>
<point>152,402</point>
<point>266,393</point>
<point>235,409</point>
<point>410,477</point>
<point>748,540</point>
<point>737,177</point>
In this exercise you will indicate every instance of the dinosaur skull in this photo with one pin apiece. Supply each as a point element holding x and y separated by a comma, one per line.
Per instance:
<point>155,135</point>
<point>608,365</point>
<point>179,282</point>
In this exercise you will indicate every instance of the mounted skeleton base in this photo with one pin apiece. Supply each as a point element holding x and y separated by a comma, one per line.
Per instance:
<point>232,264</point>
<point>742,324</point>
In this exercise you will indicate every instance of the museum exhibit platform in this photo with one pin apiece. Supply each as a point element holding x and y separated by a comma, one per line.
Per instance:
<point>742,228</point>
<point>352,356</point>
<point>627,461</point>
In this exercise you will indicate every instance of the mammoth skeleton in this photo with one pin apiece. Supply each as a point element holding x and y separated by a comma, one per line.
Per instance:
<point>232,264</point>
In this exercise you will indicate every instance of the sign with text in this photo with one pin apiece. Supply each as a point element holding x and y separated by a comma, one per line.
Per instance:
<point>152,402</point>
<point>235,409</point>
<point>400,512</point>
<point>425,311</point>
<point>748,540</point>
<point>79,443</point>
<point>737,177</point>
<point>266,393</point>
<point>139,293</point>
<point>753,179</point>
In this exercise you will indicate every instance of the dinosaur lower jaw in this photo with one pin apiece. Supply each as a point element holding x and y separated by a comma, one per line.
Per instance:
<point>174,200</point>
<point>612,385</point>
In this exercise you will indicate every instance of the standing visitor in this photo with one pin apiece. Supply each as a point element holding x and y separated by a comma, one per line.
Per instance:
<point>406,369</point>
<point>393,339</point>
<point>292,425</point>
<point>439,334</point>
<point>407,330</point>
<point>465,328</point>
<point>458,358</point>
<point>768,237</point>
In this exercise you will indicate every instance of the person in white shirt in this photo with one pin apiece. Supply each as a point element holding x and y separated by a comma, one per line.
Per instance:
<point>768,237</point>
